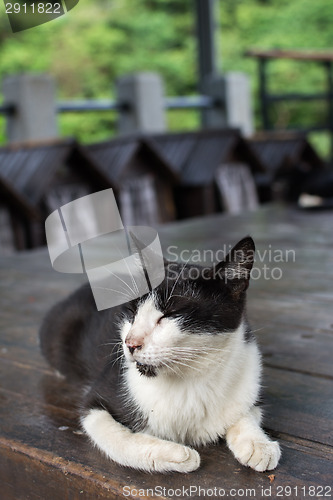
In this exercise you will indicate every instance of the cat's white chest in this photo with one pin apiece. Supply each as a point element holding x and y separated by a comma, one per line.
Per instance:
<point>187,411</point>
<point>197,409</point>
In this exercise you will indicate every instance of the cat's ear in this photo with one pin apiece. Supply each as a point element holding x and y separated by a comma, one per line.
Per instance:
<point>235,269</point>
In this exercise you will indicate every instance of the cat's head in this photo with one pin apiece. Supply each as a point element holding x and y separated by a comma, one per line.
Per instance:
<point>190,317</point>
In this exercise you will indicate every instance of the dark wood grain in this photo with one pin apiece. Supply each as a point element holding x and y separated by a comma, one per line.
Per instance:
<point>43,453</point>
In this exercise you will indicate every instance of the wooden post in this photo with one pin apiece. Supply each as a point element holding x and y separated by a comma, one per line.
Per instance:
<point>141,99</point>
<point>35,114</point>
<point>233,107</point>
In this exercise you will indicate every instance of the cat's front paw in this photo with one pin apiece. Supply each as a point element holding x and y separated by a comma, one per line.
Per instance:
<point>170,456</point>
<point>259,455</point>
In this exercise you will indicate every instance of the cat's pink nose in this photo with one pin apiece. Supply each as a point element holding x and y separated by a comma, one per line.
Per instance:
<point>133,346</point>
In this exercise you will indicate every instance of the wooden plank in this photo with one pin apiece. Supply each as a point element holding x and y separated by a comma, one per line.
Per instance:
<point>27,473</point>
<point>301,349</point>
<point>279,310</point>
<point>293,284</point>
<point>44,441</point>
<point>24,354</point>
<point>299,405</point>
<point>42,454</point>
<point>296,403</point>
<point>301,55</point>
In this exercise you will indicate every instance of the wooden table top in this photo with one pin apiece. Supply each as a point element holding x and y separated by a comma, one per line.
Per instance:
<point>43,453</point>
<point>296,54</point>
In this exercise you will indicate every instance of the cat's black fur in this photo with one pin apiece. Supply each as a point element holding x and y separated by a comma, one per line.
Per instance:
<point>84,344</point>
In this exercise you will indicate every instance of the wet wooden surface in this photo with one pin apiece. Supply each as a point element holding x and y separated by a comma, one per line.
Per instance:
<point>43,454</point>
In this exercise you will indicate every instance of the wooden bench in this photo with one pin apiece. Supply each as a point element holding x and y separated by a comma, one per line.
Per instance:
<point>44,455</point>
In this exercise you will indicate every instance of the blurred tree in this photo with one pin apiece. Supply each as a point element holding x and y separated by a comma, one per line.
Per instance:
<point>87,49</point>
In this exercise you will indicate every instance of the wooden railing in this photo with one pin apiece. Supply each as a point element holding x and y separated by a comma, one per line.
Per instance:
<point>324,59</point>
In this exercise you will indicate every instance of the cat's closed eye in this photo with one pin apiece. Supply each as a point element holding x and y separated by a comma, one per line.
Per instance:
<point>159,321</point>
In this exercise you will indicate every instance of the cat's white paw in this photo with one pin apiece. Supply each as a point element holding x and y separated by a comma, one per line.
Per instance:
<point>168,456</point>
<point>259,455</point>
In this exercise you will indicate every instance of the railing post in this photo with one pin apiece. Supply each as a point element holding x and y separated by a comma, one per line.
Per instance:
<point>263,93</point>
<point>206,36</point>
<point>141,99</point>
<point>33,96</point>
<point>328,66</point>
<point>232,96</point>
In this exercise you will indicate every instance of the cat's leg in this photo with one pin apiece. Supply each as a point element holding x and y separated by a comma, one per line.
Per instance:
<point>250,445</point>
<point>137,450</point>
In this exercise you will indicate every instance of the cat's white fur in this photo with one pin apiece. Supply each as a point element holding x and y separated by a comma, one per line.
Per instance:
<point>206,388</point>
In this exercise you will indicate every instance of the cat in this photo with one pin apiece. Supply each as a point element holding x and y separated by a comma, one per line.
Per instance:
<point>170,371</point>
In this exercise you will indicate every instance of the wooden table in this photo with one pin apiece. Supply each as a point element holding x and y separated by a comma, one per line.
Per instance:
<point>43,454</point>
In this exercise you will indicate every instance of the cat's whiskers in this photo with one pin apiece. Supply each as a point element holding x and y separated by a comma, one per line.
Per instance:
<point>197,350</point>
<point>175,368</point>
<point>136,290</point>
<point>169,367</point>
<point>177,362</point>
<point>123,281</point>
<point>129,297</point>
<point>181,296</point>
<point>120,353</point>
<point>121,356</point>
<point>198,361</point>
<point>202,358</point>
<point>191,348</point>
<point>115,344</point>
<point>178,277</point>
<point>118,346</point>
<point>259,329</point>
<point>173,360</point>
<point>166,290</point>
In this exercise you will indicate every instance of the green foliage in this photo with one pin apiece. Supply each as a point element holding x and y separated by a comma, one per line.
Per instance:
<point>280,24</point>
<point>99,40</point>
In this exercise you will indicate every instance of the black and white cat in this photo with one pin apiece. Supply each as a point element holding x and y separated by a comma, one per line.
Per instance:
<point>167,372</point>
